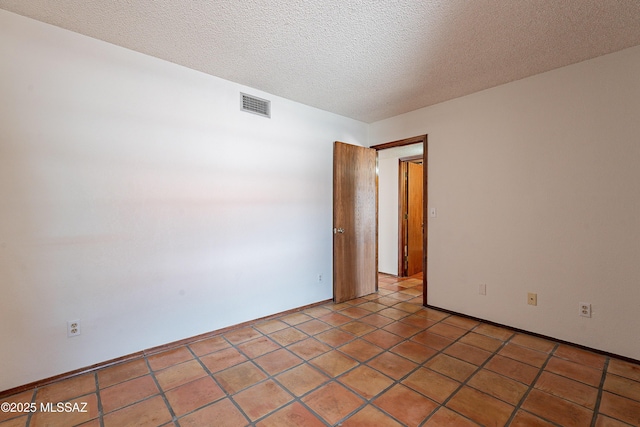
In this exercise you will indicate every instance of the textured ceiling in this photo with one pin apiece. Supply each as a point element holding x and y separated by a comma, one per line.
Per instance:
<point>364,59</point>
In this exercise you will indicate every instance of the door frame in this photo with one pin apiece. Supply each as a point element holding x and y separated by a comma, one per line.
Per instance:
<point>425,156</point>
<point>403,208</point>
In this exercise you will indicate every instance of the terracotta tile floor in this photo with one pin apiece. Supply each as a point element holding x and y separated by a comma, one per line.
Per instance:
<point>380,360</point>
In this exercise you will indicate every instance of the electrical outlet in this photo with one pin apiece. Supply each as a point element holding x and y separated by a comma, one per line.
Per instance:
<point>483,289</point>
<point>73,328</point>
<point>532,299</point>
<point>320,278</point>
<point>585,309</point>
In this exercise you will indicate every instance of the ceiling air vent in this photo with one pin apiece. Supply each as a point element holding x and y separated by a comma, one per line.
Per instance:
<point>252,104</point>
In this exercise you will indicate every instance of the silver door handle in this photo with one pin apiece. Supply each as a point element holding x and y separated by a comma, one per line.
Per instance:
<point>338,230</point>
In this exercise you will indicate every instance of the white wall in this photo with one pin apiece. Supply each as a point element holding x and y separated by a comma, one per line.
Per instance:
<point>537,188</point>
<point>388,204</point>
<point>139,199</point>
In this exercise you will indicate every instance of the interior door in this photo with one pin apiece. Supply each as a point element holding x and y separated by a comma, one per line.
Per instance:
<point>414,219</point>
<point>355,222</point>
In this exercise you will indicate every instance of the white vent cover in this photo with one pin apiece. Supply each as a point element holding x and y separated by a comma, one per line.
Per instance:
<point>255,105</point>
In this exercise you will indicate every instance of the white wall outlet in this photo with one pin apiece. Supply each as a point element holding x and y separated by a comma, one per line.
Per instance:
<point>532,299</point>
<point>73,328</point>
<point>585,309</point>
<point>483,289</point>
<point>320,278</point>
<point>434,213</point>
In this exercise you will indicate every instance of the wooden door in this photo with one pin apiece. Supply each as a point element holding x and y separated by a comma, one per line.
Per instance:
<point>355,222</point>
<point>414,219</point>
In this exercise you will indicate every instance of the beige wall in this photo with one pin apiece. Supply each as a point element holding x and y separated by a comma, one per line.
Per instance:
<point>136,197</point>
<point>537,186</point>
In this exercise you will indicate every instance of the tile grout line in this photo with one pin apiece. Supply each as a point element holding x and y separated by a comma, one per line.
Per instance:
<point>532,386</point>
<point>160,390</point>
<point>596,408</point>
<point>466,381</point>
<point>99,398</point>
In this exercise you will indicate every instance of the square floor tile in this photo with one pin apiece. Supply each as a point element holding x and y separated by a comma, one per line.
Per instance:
<point>480,407</point>
<point>392,365</point>
<point>261,399</point>
<point>257,347</point>
<point>224,413</point>
<point>431,384</point>
<point>335,337</point>
<point>523,354</point>
<point>451,367</point>
<point>413,351</point>
<point>624,369</point>
<point>209,345</point>
<point>623,386</point>
<point>402,329</point>
<point>222,359</point>
<point>62,419</point>
<point>496,332</point>
<point>168,358</point>
<point>355,312</point>
<point>376,320</point>
<point>447,418</point>
<point>357,328</point>
<point>481,341</point>
<point>177,375</point>
<point>296,318</point>
<point>432,340</point>
<point>365,381</point>
<point>280,360</point>
<point>468,353</point>
<point>302,379</point>
<point>333,402</point>
<point>128,392</point>
<point>239,377</point>
<point>313,327</point>
<point>241,335</point>
<point>67,389</point>
<point>498,386</point>
<point>194,395</point>
<point>583,357</point>
<point>575,371</point>
<point>393,313</point>
<point>568,389</point>
<point>370,416</point>
<point>418,321</point>
<point>447,331</point>
<point>620,408</point>
<point>336,319</point>
<point>513,369</point>
<point>461,322</point>
<point>533,343</point>
<point>405,405</point>
<point>382,339</point>
<point>288,336</point>
<point>526,419</point>
<point>293,415</point>
<point>333,363</point>
<point>148,413</point>
<point>122,372</point>
<point>271,326</point>
<point>24,397</point>
<point>309,348</point>
<point>555,409</point>
<point>361,350</point>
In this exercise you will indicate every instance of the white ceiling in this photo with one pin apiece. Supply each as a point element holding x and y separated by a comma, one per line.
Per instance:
<point>364,59</point>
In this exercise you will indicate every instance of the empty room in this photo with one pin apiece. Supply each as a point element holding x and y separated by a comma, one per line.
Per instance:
<point>355,213</point>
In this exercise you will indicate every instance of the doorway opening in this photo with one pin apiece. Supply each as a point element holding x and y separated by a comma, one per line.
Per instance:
<point>410,216</point>
<point>422,139</point>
